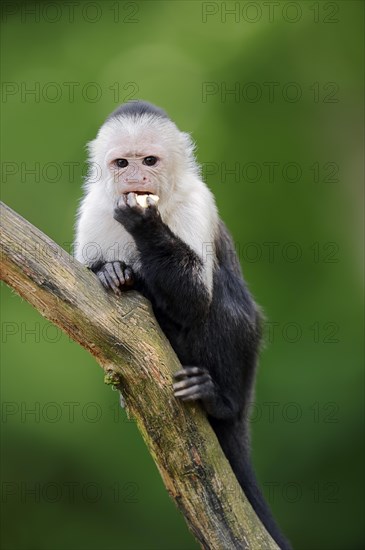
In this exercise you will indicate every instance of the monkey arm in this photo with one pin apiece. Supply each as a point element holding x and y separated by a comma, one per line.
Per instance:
<point>172,272</point>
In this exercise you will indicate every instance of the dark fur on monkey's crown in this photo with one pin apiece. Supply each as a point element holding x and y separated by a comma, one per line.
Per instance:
<point>137,108</point>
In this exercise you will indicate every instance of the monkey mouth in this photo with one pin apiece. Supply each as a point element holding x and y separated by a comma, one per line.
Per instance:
<point>140,192</point>
<point>142,198</point>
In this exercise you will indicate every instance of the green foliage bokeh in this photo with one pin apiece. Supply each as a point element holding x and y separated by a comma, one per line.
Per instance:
<point>274,102</point>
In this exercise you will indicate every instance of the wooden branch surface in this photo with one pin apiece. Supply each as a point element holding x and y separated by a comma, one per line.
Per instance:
<point>125,339</point>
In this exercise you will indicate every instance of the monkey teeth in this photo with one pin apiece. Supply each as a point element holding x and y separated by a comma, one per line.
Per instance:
<point>142,199</point>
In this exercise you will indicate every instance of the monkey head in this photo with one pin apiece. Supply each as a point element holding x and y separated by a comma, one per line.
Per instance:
<point>143,153</point>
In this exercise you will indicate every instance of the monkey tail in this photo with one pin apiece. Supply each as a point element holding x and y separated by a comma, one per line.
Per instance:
<point>237,453</point>
<point>247,479</point>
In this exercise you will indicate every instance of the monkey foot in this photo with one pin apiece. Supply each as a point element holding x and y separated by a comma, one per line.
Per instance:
<point>193,383</point>
<point>115,276</point>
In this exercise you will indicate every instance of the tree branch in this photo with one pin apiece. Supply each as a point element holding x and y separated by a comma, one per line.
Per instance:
<point>126,340</point>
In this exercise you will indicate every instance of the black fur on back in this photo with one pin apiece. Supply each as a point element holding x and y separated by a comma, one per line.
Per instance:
<point>138,108</point>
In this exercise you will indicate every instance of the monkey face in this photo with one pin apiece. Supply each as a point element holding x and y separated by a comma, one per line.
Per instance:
<point>142,155</point>
<point>136,162</point>
<point>137,174</point>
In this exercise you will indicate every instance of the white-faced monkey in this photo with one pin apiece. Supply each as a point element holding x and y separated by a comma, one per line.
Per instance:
<point>173,248</point>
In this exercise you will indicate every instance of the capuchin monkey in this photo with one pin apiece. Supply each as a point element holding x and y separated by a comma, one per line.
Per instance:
<point>148,222</point>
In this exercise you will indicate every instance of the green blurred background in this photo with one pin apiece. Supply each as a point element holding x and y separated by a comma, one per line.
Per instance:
<point>283,155</point>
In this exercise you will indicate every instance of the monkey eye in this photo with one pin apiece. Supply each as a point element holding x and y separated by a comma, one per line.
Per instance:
<point>121,163</point>
<point>149,161</point>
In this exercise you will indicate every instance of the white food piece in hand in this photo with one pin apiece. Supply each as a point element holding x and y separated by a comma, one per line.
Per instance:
<point>142,199</point>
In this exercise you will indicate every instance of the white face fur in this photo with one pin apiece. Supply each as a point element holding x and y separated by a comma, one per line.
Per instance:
<point>144,154</point>
<point>135,140</point>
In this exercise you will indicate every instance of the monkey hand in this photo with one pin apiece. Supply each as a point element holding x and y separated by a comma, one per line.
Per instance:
<point>133,216</point>
<point>115,276</point>
<point>193,383</point>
